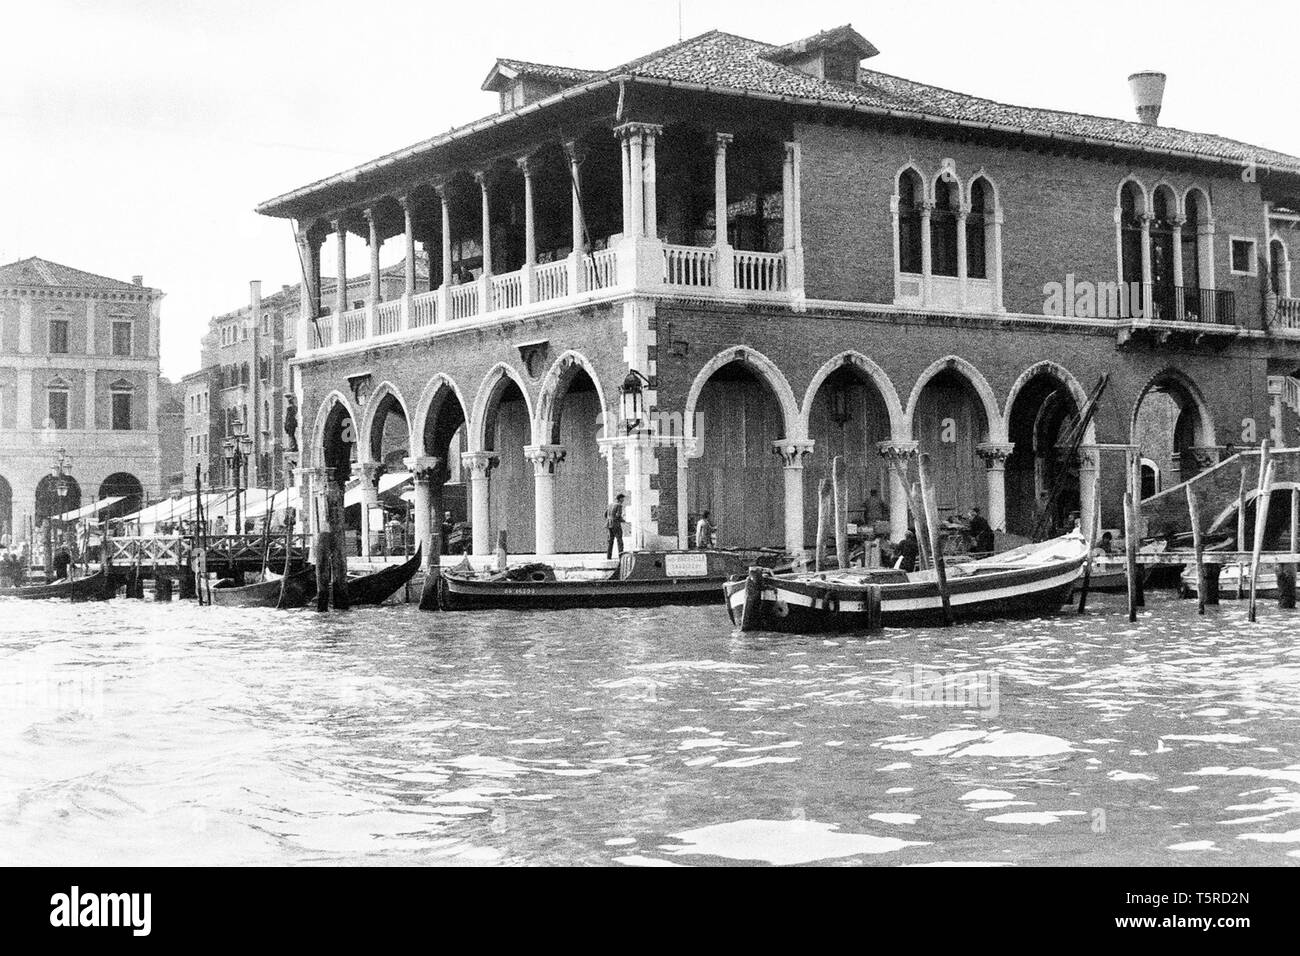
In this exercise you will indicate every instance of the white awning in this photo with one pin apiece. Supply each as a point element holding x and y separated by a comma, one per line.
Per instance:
<point>275,503</point>
<point>387,483</point>
<point>85,511</point>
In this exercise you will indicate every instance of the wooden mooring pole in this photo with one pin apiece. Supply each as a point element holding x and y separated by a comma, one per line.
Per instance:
<point>1261,523</point>
<point>501,550</point>
<point>1094,524</point>
<point>1198,547</point>
<point>932,531</point>
<point>824,504</point>
<point>1241,531</point>
<point>839,485</point>
<point>432,572</point>
<point>1130,556</point>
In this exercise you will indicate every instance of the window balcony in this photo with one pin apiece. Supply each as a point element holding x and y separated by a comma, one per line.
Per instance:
<point>1282,314</point>
<point>1190,304</point>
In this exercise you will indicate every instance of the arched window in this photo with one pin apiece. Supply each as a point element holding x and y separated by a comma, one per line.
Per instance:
<point>977,223</point>
<point>910,196</point>
<point>1192,240</point>
<point>943,228</point>
<point>1131,208</point>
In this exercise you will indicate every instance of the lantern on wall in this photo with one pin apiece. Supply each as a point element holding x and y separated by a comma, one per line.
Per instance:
<point>632,400</point>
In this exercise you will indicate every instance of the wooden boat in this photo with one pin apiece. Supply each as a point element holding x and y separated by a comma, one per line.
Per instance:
<point>99,586</point>
<point>642,579</point>
<point>1033,579</point>
<point>378,587</point>
<point>298,589</point>
<point>1229,577</point>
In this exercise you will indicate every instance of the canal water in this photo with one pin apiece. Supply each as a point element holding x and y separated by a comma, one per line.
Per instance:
<point>142,733</point>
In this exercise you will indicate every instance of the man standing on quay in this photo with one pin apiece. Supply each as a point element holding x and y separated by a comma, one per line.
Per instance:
<point>614,525</point>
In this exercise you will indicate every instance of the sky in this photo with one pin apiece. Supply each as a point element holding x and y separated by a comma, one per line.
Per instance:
<point>136,136</point>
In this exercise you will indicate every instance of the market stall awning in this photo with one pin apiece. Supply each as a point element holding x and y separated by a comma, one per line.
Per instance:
<point>387,485</point>
<point>85,511</point>
<point>274,503</point>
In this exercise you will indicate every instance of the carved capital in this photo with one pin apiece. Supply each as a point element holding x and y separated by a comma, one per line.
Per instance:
<point>926,206</point>
<point>1089,457</point>
<point>427,468</point>
<point>898,451</point>
<point>995,453</point>
<point>545,458</point>
<point>723,140</point>
<point>527,165</point>
<point>479,464</point>
<point>575,152</point>
<point>794,452</point>
<point>630,130</point>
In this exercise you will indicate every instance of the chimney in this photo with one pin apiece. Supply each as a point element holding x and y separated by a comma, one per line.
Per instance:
<point>255,293</point>
<point>138,280</point>
<point>1148,92</point>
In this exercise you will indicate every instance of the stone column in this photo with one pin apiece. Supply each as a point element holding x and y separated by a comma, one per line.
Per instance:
<point>574,155</point>
<point>995,456</point>
<point>479,465</point>
<point>901,452</point>
<point>24,324</point>
<point>408,234</point>
<point>638,454</point>
<point>636,186</point>
<point>441,190</point>
<point>429,474</point>
<point>341,274</point>
<point>648,177</point>
<point>963,297</point>
<point>927,208</point>
<point>375,242</point>
<point>625,151</point>
<point>721,241</point>
<point>309,299</point>
<point>794,453</point>
<point>1177,224</point>
<point>1148,308</point>
<point>545,459</point>
<point>795,267</point>
<point>1089,466</point>
<point>527,167</point>
<point>787,203</point>
<point>481,177</point>
<point>365,472</point>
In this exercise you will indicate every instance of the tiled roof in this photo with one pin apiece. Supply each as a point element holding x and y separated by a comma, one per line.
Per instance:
<point>548,71</point>
<point>727,62</point>
<point>41,272</point>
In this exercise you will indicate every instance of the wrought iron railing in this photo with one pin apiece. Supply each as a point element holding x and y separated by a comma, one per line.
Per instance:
<point>1175,303</point>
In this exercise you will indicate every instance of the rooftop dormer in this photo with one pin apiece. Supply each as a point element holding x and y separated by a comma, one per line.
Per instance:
<point>519,83</point>
<point>830,55</point>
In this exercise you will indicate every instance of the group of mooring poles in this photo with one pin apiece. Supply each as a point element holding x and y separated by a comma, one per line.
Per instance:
<point>1207,573</point>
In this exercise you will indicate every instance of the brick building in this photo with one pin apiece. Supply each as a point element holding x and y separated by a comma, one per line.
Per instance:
<point>698,276</point>
<point>78,392</point>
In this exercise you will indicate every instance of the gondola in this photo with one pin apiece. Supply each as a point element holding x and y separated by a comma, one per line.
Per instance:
<point>1034,579</point>
<point>298,589</point>
<point>642,579</point>
<point>378,587</point>
<point>94,587</point>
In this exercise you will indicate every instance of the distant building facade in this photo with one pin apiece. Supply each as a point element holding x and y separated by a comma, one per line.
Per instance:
<point>243,387</point>
<point>78,392</point>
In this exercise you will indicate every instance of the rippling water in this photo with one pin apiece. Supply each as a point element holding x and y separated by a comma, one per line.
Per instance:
<point>141,733</point>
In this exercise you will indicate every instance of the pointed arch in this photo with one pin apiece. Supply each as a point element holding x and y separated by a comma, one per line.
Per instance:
<point>365,435</point>
<point>1062,375</point>
<point>993,416</point>
<point>489,390</point>
<point>323,411</point>
<point>1171,373</point>
<point>764,369</point>
<point>872,372</point>
<point>555,383</point>
<point>429,405</point>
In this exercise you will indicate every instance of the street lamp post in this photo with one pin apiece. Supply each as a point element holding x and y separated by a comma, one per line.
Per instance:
<point>62,485</point>
<point>235,450</point>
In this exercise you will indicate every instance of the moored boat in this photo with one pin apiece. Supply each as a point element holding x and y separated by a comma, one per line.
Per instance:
<point>643,578</point>
<point>1230,577</point>
<point>94,587</point>
<point>1033,579</point>
<point>378,587</point>
<point>277,592</point>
